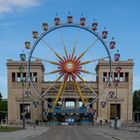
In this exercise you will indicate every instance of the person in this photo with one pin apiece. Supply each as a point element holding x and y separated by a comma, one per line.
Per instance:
<point>34,124</point>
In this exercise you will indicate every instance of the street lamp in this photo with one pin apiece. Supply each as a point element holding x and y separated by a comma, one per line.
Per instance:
<point>35,104</point>
<point>117,80</point>
<point>22,80</point>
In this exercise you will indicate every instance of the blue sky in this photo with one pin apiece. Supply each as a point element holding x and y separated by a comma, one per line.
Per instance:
<point>18,18</point>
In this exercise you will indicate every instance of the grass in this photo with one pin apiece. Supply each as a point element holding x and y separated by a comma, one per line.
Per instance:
<point>9,129</point>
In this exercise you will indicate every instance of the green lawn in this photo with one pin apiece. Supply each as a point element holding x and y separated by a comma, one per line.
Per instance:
<point>9,129</point>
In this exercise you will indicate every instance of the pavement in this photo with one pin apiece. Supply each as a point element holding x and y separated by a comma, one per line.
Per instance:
<point>107,132</point>
<point>117,134</point>
<point>23,134</point>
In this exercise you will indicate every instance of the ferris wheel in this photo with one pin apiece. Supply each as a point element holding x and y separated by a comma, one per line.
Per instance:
<point>69,53</point>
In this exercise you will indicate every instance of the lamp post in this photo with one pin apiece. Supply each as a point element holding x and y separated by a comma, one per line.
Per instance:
<point>35,105</point>
<point>22,80</point>
<point>116,112</point>
<point>117,80</point>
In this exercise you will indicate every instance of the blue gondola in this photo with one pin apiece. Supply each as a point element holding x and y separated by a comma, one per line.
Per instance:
<point>104,34</point>
<point>57,21</point>
<point>70,19</point>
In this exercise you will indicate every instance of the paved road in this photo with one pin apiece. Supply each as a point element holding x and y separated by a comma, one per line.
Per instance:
<point>70,133</point>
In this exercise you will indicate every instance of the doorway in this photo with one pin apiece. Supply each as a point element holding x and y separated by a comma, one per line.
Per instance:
<point>115,111</point>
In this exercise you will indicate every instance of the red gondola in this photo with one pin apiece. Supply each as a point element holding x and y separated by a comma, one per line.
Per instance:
<point>117,57</point>
<point>57,21</point>
<point>112,44</point>
<point>82,21</point>
<point>104,34</point>
<point>69,19</point>
<point>94,26</point>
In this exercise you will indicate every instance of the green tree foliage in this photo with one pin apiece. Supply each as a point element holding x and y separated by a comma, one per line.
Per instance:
<point>3,109</point>
<point>0,96</point>
<point>3,105</point>
<point>136,100</point>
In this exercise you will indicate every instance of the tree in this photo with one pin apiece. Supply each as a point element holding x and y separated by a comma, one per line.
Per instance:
<point>136,100</point>
<point>0,96</point>
<point>3,109</point>
<point>136,105</point>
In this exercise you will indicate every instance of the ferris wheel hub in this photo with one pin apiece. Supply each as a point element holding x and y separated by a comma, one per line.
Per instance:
<point>69,66</point>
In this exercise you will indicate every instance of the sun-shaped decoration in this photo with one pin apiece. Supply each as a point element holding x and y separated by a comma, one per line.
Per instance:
<point>70,67</point>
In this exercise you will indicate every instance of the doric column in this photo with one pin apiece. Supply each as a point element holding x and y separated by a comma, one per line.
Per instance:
<point>76,103</point>
<point>63,103</point>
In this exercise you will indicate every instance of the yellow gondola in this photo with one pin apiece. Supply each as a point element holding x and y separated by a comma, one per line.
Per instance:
<point>45,26</point>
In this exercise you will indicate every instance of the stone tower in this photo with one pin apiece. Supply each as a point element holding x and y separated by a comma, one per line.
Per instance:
<point>17,98</point>
<point>118,96</point>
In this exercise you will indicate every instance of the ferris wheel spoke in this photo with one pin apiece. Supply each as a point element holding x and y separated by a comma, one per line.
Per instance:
<point>53,72</point>
<point>75,44</point>
<point>66,53</point>
<point>53,62</point>
<point>62,39</point>
<point>63,42</point>
<point>83,53</point>
<point>35,78</point>
<point>73,52</point>
<point>80,78</point>
<point>47,61</point>
<point>79,91</point>
<point>85,84</point>
<point>91,61</point>
<point>61,90</point>
<point>56,54</point>
<point>87,72</point>
<point>52,85</point>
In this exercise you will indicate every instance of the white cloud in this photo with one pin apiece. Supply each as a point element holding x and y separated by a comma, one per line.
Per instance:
<point>8,6</point>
